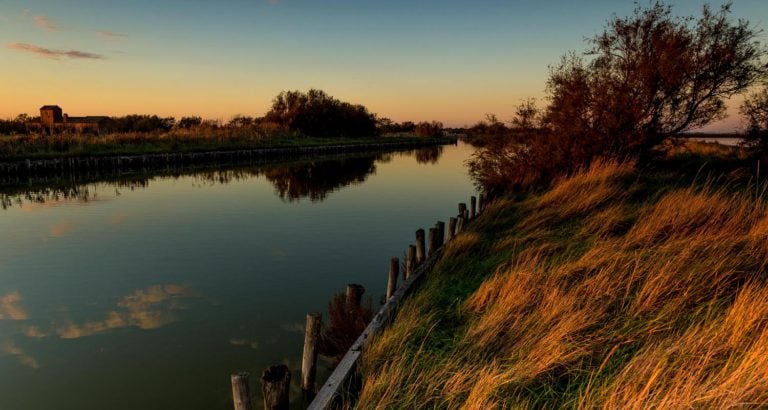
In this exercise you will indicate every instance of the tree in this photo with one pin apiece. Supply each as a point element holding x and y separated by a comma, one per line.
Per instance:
<point>755,113</point>
<point>429,129</point>
<point>526,115</point>
<point>652,76</point>
<point>189,122</point>
<point>317,114</point>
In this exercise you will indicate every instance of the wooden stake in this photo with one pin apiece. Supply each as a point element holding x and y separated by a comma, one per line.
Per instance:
<point>440,225</point>
<point>472,207</point>
<point>394,272</point>
<point>410,261</point>
<point>432,241</point>
<point>275,386</point>
<point>309,359</point>
<point>421,253</point>
<point>451,228</point>
<point>241,391</point>
<point>354,295</point>
<point>459,224</point>
<point>481,203</point>
<point>462,208</point>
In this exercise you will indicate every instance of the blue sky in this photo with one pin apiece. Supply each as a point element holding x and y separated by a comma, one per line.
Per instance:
<point>447,60</point>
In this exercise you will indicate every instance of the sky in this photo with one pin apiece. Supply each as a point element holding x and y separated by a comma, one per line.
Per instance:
<point>446,60</point>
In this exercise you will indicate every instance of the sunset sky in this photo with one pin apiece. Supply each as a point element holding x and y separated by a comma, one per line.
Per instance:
<point>445,60</point>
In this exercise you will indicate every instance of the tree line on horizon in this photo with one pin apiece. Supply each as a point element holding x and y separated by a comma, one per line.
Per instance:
<point>313,114</point>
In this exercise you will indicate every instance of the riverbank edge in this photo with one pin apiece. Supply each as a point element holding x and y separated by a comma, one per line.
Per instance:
<point>66,163</point>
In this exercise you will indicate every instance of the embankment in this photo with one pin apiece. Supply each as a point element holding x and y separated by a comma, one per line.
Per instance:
<point>616,288</point>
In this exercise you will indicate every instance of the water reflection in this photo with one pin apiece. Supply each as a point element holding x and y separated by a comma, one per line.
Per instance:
<point>146,309</point>
<point>313,180</point>
<point>10,307</point>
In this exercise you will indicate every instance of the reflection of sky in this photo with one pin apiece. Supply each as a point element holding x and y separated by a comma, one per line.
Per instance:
<point>194,280</point>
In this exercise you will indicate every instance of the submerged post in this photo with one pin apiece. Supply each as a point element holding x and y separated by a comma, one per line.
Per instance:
<point>440,225</point>
<point>451,228</point>
<point>309,358</point>
<point>241,391</point>
<point>354,295</point>
<point>432,241</point>
<point>410,261</point>
<point>394,272</point>
<point>472,207</point>
<point>275,386</point>
<point>420,248</point>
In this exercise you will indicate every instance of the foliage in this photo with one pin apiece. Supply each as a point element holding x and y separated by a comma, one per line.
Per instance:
<point>316,114</point>
<point>346,322</point>
<point>432,129</point>
<point>140,123</point>
<point>755,112</point>
<point>647,78</point>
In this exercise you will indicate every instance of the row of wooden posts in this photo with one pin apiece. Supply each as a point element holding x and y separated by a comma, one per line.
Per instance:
<point>276,380</point>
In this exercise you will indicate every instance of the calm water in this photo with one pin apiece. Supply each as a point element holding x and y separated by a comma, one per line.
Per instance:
<point>148,292</point>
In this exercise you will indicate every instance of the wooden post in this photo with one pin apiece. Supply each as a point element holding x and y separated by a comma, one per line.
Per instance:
<point>394,272</point>
<point>309,359</point>
<point>451,228</point>
<point>440,225</point>
<point>481,203</point>
<point>466,216</point>
<point>275,386</point>
<point>472,207</point>
<point>410,261</point>
<point>432,241</point>
<point>459,224</point>
<point>462,208</point>
<point>241,391</point>
<point>421,253</point>
<point>354,295</point>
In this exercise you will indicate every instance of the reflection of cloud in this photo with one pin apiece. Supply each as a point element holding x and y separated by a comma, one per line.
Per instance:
<point>244,342</point>
<point>10,348</point>
<point>33,332</point>
<point>118,218</point>
<point>10,309</point>
<point>46,23</point>
<point>148,308</point>
<point>53,53</point>
<point>60,228</point>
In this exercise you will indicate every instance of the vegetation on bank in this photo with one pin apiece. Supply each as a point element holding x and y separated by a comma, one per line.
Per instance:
<point>295,119</point>
<point>616,288</point>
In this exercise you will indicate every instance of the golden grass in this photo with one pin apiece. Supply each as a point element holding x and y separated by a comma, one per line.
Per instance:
<point>670,311</point>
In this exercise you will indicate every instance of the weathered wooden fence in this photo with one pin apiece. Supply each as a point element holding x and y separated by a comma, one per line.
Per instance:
<point>337,389</point>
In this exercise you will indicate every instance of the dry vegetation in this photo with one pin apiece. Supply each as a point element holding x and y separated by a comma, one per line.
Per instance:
<point>617,288</point>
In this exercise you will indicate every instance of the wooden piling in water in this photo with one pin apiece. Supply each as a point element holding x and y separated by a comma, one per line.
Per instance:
<point>354,295</point>
<point>410,261</point>
<point>241,391</point>
<point>394,272</point>
<point>472,207</point>
<point>451,228</point>
<point>421,253</point>
<point>275,386</point>
<point>309,358</point>
<point>440,225</point>
<point>433,237</point>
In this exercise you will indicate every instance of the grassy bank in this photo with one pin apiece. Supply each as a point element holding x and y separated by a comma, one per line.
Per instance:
<point>618,288</point>
<point>60,146</point>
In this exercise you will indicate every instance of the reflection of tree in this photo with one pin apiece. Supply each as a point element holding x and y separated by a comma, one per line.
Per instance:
<point>429,155</point>
<point>315,180</point>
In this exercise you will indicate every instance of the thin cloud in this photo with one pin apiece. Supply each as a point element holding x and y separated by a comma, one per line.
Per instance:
<point>53,53</point>
<point>111,34</point>
<point>46,23</point>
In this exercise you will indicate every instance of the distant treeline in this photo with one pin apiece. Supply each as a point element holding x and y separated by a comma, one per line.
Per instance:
<point>313,113</point>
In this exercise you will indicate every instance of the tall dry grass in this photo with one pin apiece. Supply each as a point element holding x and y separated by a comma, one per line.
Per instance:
<point>657,303</point>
